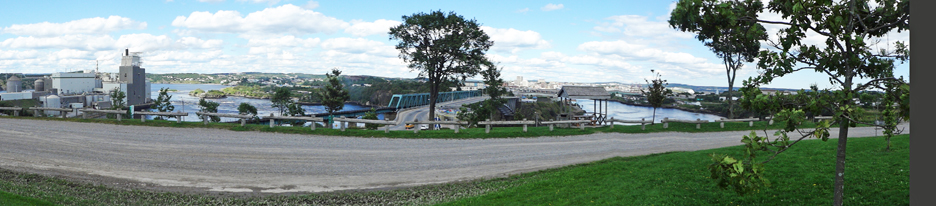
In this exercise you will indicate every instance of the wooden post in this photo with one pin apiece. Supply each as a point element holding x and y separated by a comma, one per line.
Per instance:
<point>665,123</point>
<point>84,115</point>
<point>243,122</point>
<point>750,123</point>
<point>342,124</point>
<point>313,125</point>
<point>271,122</point>
<point>142,118</point>
<point>722,124</point>
<point>178,119</point>
<point>487,128</point>
<point>416,128</point>
<point>119,116</point>
<point>205,118</point>
<point>387,129</point>
<point>456,128</point>
<point>63,114</point>
<point>16,113</point>
<point>581,126</point>
<point>36,112</point>
<point>643,126</point>
<point>612,122</point>
<point>698,124</point>
<point>524,125</point>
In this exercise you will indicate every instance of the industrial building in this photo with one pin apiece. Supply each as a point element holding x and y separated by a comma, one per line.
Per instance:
<point>89,89</point>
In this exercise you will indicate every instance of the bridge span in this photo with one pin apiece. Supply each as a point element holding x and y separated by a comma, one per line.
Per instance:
<point>402,101</point>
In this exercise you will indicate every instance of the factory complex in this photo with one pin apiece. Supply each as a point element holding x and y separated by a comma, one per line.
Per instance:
<point>85,89</point>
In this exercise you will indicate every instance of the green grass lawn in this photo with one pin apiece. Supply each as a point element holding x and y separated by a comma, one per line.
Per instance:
<point>12,200</point>
<point>801,176</point>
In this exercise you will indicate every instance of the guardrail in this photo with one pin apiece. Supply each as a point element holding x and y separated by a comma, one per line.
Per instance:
<point>581,123</point>
<point>84,113</point>
<point>456,123</point>
<point>243,118</point>
<point>749,120</point>
<point>16,110</point>
<point>177,115</point>
<point>698,122</point>
<point>38,110</point>
<point>643,122</point>
<point>342,121</point>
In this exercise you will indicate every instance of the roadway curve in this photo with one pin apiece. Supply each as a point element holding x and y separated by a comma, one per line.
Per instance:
<point>422,112</point>
<point>220,160</point>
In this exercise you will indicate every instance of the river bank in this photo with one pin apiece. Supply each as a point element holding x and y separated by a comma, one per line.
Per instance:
<point>670,107</point>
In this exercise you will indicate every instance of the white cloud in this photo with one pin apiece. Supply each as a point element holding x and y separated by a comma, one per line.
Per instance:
<point>144,42</point>
<point>285,41</point>
<point>283,19</point>
<point>379,27</point>
<point>311,5</point>
<point>513,40</point>
<point>638,26</point>
<point>523,10</point>
<point>192,42</point>
<point>96,25</point>
<point>15,54</point>
<point>359,46</point>
<point>83,42</point>
<point>550,7</point>
<point>270,2</point>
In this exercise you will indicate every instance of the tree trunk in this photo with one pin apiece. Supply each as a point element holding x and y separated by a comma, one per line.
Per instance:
<point>653,118</point>
<point>839,183</point>
<point>433,93</point>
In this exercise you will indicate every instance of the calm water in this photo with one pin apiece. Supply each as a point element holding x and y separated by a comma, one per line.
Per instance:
<point>629,112</point>
<point>185,103</point>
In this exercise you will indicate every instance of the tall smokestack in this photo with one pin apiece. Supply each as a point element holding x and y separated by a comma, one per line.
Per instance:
<point>128,52</point>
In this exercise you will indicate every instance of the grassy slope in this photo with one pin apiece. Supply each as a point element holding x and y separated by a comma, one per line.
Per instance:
<point>12,199</point>
<point>801,176</point>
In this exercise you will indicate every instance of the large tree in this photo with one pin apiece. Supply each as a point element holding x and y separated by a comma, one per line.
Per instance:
<point>846,56</point>
<point>656,92</point>
<point>442,47</point>
<point>735,42</point>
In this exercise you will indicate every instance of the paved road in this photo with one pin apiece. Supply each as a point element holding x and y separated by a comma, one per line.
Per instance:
<point>422,112</point>
<point>222,160</point>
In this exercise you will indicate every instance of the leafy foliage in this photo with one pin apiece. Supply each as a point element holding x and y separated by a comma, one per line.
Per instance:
<point>208,107</point>
<point>736,42</point>
<point>849,28</point>
<point>162,103</point>
<point>656,92</point>
<point>246,109</point>
<point>372,114</point>
<point>334,95</point>
<point>281,99</point>
<point>442,47</point>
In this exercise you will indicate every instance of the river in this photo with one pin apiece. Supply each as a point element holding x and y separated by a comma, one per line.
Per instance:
<point>185,103</point>
<point>630,112</point>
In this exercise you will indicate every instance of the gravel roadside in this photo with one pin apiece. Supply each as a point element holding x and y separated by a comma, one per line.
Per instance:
<point>213,160</point>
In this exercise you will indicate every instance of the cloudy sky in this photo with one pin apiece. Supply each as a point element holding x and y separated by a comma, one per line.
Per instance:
<point>590,41</point>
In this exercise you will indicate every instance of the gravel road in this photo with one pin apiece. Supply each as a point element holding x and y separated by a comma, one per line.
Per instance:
<point>222,160</point>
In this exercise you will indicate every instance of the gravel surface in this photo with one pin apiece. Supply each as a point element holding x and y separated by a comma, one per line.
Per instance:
<point>197,159</point>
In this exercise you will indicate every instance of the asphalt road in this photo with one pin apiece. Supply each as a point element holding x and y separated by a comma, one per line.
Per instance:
<point>222,160</point>
<point>422,112</point>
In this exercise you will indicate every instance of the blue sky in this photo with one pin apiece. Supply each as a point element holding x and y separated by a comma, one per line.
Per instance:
<point>581,41</point>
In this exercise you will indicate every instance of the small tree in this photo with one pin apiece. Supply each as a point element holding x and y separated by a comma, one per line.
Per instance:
<point>494,88</point>
<point>281,99</point>
<point>372,114</point>
<point>334,95</point>
<point>656,92</point>
<point>162,103</point>
<point>208,107</point>
<point>117,99</point>
<point>246,109</point>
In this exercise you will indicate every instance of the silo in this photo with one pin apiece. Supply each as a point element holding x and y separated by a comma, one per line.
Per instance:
<point>40,85</point>
<point>53,101</point>
<point>14,84</point>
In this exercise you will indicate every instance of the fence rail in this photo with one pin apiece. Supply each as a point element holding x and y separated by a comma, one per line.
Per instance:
<point>16,110</point>
<point>177,115</point>
<point>643,122</point>
<point>749,120</point>
<point>84,113</point>
<point>698,122</point>
<point>243,118</point>
<point>342,121</point>
<point>581,123</point>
